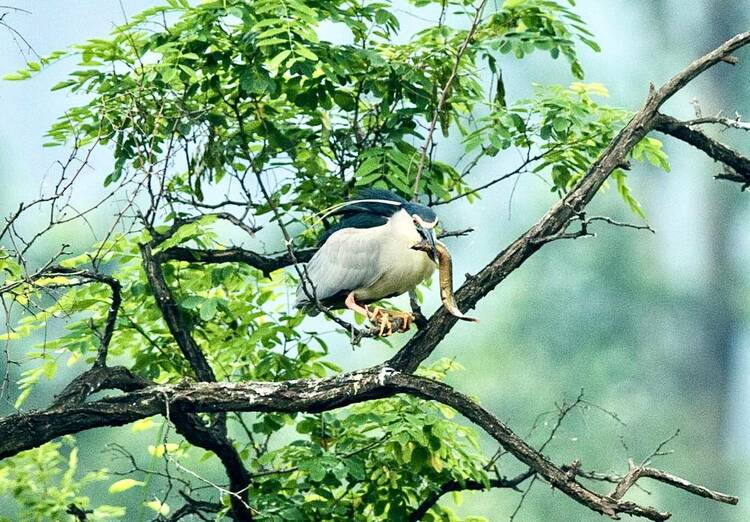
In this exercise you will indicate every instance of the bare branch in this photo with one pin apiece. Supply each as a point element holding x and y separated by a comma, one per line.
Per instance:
<point>735,123</point>
<point>445,92</point>
<point>739,164</point>
<point>181,222</point>
<point>79,513</point>
<point>114,308</point>
<point>695,489</point>
<point>637,472</point>
<point>522,168</point>
<point>468,485</point>
<point>455,233</point>
<point>265,263</point>
<point>193,507</point>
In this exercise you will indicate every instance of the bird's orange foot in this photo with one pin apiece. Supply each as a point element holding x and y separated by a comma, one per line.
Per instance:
<point>386,319</point>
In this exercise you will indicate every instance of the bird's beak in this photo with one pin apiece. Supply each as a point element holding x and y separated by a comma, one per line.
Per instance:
<point>428,234</point>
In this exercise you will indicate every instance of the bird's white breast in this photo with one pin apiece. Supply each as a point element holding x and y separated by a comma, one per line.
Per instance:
<point>402,268</point>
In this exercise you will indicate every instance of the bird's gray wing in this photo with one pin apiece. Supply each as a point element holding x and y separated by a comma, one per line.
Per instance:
<point>346,261</point>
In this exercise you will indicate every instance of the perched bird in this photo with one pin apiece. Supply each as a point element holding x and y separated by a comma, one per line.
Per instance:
<point>368,255</point>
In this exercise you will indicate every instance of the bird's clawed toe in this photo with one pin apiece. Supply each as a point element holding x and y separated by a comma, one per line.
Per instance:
<point>386,320</point>
<point>407,318</point>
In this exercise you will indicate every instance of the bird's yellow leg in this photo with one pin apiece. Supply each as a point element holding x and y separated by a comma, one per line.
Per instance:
<point>380,317</point>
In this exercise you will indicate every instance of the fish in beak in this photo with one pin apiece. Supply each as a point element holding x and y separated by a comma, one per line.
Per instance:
<point>445,266</point>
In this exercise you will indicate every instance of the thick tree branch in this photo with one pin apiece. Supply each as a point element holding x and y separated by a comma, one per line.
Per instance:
<point>477,287</point>
<point>24,431</point>
<point>99,378</point>
<point>213,437</point>
<point>27,430</point>
<point>176,322</point>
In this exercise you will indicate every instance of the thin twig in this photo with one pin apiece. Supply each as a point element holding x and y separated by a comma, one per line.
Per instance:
<point>444,94</point>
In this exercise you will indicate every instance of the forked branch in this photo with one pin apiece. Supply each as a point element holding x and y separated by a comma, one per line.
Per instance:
<point>739,164</point>
<point>24,431</point>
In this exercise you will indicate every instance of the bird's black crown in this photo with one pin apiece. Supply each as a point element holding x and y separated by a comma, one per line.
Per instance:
<point>378,201</point>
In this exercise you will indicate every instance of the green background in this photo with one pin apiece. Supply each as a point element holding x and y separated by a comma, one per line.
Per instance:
<point>653,327</point>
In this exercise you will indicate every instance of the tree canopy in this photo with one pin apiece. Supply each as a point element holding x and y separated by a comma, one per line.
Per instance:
<point>240,122</point>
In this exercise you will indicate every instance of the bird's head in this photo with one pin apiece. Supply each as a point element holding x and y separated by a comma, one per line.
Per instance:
<point>425,220</point>
<point>372,207</point>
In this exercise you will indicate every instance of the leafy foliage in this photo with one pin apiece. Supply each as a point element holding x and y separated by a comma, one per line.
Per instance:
<point>279,109</point>
<point>375,462</point>
<point>43,483</point>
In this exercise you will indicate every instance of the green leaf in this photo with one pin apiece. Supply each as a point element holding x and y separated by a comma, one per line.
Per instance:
<point>208,309</point>
<point>369,165</point>
<point>306,53</point>
<point>157,505</point>
<point>275,62</point>
<point>63,85</point>
<point>22,397</point>
<point>106,512</point>
<point>124,485</point>
<point>17,76</point>
<point>192,302</point>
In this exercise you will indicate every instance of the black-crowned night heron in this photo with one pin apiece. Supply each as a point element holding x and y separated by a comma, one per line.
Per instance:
<point>370,255</point>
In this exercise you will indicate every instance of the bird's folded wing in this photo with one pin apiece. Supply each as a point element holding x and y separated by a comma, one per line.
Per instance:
<point>349,259</point>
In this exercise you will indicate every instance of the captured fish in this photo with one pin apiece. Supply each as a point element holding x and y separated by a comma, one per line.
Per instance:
<point>445,268</point>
